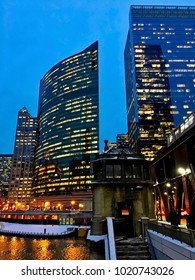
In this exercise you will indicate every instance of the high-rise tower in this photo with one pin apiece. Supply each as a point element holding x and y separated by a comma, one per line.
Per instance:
<point>159,73</point>
<point>22,162</point>
<point>5,170</point>
<point>68,115</point>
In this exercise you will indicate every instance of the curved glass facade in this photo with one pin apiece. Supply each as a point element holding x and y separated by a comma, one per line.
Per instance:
<point>160,73</point>
<point>68,134</point>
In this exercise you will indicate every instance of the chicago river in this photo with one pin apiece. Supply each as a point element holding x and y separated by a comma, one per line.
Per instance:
<point>72,248</point>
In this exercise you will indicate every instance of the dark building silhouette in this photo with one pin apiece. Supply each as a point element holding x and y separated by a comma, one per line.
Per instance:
<point>121,189</point>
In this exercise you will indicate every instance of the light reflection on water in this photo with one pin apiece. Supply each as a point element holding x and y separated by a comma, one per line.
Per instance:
<point>17,248</point>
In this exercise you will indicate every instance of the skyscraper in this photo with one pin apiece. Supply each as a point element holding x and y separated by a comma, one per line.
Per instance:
<point>23,160</point>
<point>68,114</point>
<point>122,140</point>
<point>5,170</point>
<point>159,73</point>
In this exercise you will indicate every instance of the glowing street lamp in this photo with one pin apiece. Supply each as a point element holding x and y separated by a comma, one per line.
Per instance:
<point>183,171</point>
<point>72,204</point>
<point>81,205</point>
<point>46,204</point>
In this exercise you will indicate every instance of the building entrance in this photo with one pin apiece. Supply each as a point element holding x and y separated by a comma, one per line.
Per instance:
<point>125,214</point>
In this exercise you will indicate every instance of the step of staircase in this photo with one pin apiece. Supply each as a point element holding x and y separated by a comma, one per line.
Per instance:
<point>132,249</point>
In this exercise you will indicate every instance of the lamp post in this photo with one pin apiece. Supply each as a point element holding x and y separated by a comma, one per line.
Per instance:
<point>170,192</point>
<point>182,189</point>
<point>184,173</point>
<point>46,205</point>
<point>72,204</point>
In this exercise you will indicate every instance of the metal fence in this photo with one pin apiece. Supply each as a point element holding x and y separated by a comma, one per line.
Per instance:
<point>181,234</point>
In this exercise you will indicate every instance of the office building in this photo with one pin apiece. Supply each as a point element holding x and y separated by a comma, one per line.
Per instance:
<point>68,114</point>
<point>159,74</point>
<point>23,161</point>
<point>122,141</point>
<point>5,170</point>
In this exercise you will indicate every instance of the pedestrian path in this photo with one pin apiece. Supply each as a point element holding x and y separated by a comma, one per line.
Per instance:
<point>34,230</point>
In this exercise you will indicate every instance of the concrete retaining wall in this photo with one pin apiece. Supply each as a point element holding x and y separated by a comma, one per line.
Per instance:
<point>166,248</point>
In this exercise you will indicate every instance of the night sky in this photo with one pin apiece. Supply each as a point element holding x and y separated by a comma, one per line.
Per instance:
<point>36,35</point>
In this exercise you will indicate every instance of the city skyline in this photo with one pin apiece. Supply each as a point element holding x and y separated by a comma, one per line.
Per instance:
<point>37,35</point>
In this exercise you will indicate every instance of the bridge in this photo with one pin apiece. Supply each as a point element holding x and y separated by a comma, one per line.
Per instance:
<point>173,174</point>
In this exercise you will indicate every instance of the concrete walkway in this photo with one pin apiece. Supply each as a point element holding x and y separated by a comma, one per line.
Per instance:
<point>33,229</point>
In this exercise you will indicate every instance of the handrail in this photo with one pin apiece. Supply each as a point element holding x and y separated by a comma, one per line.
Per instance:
<point>34,233</point>
<point>111,239</point>
<point>183,235</point>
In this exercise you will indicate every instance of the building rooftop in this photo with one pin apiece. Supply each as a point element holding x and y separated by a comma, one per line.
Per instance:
<point>163,11</point>
<point>120,153</point>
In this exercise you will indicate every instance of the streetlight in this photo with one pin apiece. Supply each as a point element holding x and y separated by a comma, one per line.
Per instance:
<point>72,204</point>
<point>81,205</point>
<point>46,204</point>
<point>183,200</point>
<point>184,171</point>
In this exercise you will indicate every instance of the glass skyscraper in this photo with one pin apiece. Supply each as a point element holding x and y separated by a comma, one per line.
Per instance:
<point>68,134</point>
<point>159,73</point>
<point>23,160</point>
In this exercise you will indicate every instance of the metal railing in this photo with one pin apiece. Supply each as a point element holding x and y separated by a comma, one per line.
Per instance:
<point>181,234</point>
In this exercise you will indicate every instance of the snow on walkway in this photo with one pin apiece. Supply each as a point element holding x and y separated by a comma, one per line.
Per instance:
<point>57,229</point>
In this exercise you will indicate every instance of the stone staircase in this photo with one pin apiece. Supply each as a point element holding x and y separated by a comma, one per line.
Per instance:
<point>132,249</point>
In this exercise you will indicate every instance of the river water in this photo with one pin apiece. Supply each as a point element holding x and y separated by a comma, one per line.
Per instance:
<point>17,248</point>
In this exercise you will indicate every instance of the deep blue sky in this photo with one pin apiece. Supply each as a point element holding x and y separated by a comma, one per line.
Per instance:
<point>37,34</point>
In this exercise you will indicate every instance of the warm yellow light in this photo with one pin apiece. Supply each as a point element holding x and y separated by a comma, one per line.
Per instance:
<point>81,205</point>
<point>188,170</point>
<point>183,171</point>
<point>72,202</point>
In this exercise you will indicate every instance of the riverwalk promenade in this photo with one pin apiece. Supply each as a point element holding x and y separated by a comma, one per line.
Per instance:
<point>38,230</point>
